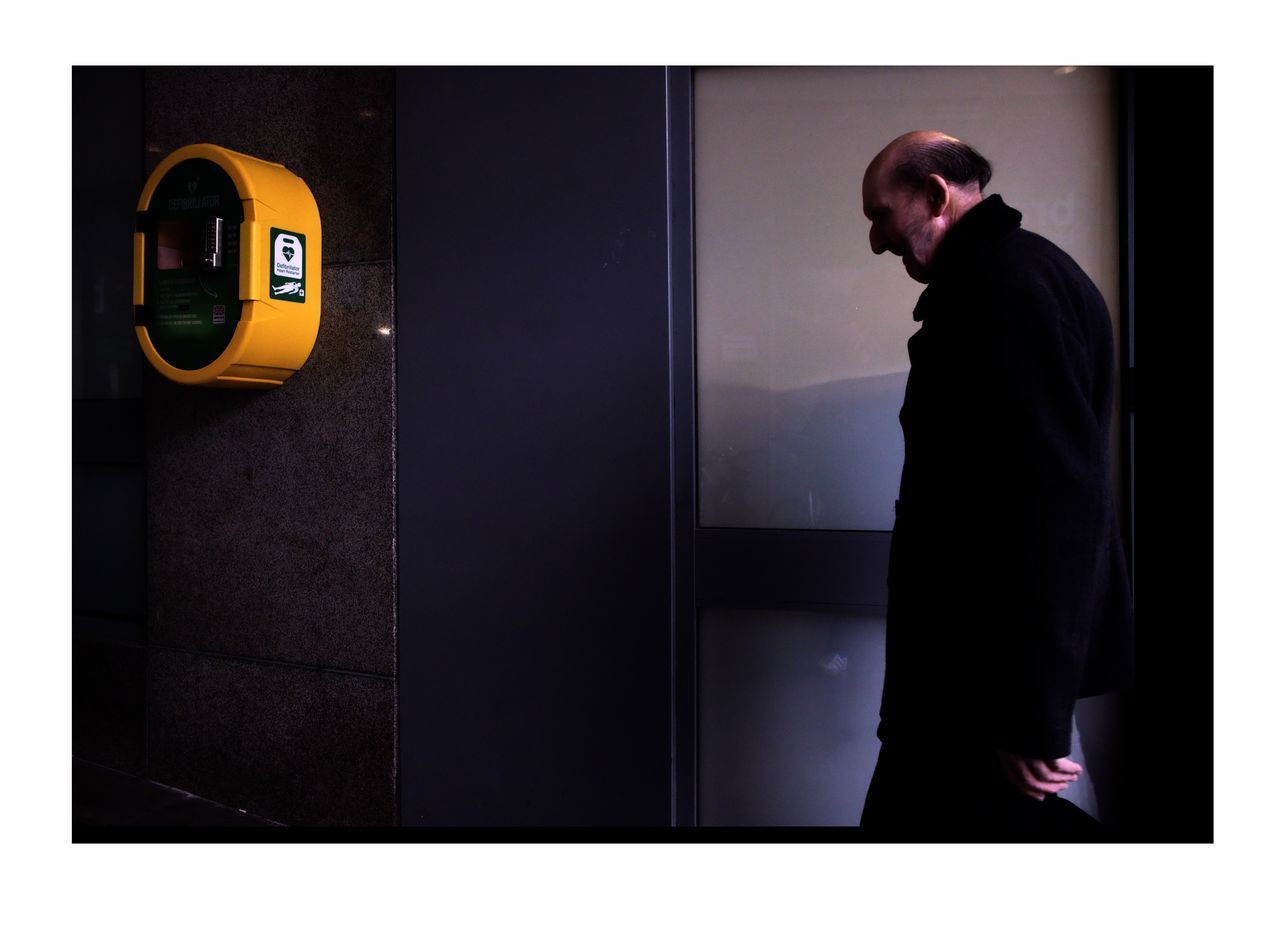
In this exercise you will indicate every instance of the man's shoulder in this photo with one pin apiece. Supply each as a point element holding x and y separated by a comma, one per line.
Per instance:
<point>1023,255</point>
<point>1023,265</point>
<point>1025,284</point>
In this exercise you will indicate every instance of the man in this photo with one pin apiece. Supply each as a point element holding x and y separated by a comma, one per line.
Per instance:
<point>1008,596</point>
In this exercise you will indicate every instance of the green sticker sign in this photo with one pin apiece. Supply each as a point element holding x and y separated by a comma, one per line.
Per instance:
<point>288,266</point>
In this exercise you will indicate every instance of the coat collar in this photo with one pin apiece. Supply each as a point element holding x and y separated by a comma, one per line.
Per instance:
<point>969,237</point>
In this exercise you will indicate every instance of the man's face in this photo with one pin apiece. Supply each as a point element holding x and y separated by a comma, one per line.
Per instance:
<point>901,222</point>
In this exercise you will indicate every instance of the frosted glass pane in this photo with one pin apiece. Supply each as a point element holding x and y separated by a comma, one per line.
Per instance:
<point>788,704</point>
<point>802,331</point>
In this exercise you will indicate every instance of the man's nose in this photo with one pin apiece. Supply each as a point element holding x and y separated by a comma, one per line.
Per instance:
<point>877,242</point>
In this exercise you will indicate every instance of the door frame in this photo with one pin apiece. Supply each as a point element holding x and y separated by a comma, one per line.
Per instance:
<point>792,569</point>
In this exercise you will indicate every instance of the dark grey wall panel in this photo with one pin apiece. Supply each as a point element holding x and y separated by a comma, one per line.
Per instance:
<point>108,483</point>
<point>108,540</point>
<point>109,431</point>
<point>108,703</point>
<point>533,463</point>
<point>286,743</point>
<point>106,178</point>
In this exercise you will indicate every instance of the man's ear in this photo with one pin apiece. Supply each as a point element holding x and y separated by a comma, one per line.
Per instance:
<point>938,193</point>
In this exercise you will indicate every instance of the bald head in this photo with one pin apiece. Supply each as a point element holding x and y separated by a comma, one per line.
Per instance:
<point>915,189</point>
<point>912,158</point>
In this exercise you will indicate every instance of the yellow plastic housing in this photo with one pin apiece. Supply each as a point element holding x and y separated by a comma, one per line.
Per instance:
<point>272,339</point>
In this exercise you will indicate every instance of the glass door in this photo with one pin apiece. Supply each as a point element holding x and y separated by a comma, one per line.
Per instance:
<point>800,355</point>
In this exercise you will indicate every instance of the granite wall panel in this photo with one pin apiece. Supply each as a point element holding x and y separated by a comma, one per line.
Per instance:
<point>290,744</point>
<point>271,514</point>
<point>331,126</point>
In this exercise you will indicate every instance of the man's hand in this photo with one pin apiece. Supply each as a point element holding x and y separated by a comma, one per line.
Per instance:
<point>1036,778</point>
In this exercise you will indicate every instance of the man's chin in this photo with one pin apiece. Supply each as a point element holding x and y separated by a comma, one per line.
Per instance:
<point>914,270</point>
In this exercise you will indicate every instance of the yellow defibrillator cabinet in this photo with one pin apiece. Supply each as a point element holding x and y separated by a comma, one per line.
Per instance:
<point>226,269</point>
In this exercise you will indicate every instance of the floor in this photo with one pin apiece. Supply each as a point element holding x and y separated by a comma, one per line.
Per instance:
<point>104,798</point>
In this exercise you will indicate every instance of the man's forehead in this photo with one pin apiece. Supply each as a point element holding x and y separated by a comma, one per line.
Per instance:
<point>869,203</point>
<point>875,186</point>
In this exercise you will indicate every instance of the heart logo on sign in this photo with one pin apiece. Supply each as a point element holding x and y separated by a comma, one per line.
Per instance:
<point>287,251</point>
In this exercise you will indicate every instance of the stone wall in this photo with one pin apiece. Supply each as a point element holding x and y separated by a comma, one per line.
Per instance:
<point>271,680</point>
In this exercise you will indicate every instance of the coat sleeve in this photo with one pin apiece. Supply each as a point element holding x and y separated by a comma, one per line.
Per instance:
<point>1044,490</point>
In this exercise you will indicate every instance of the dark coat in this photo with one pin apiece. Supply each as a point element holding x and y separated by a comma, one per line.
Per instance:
<point>1008,595</point>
